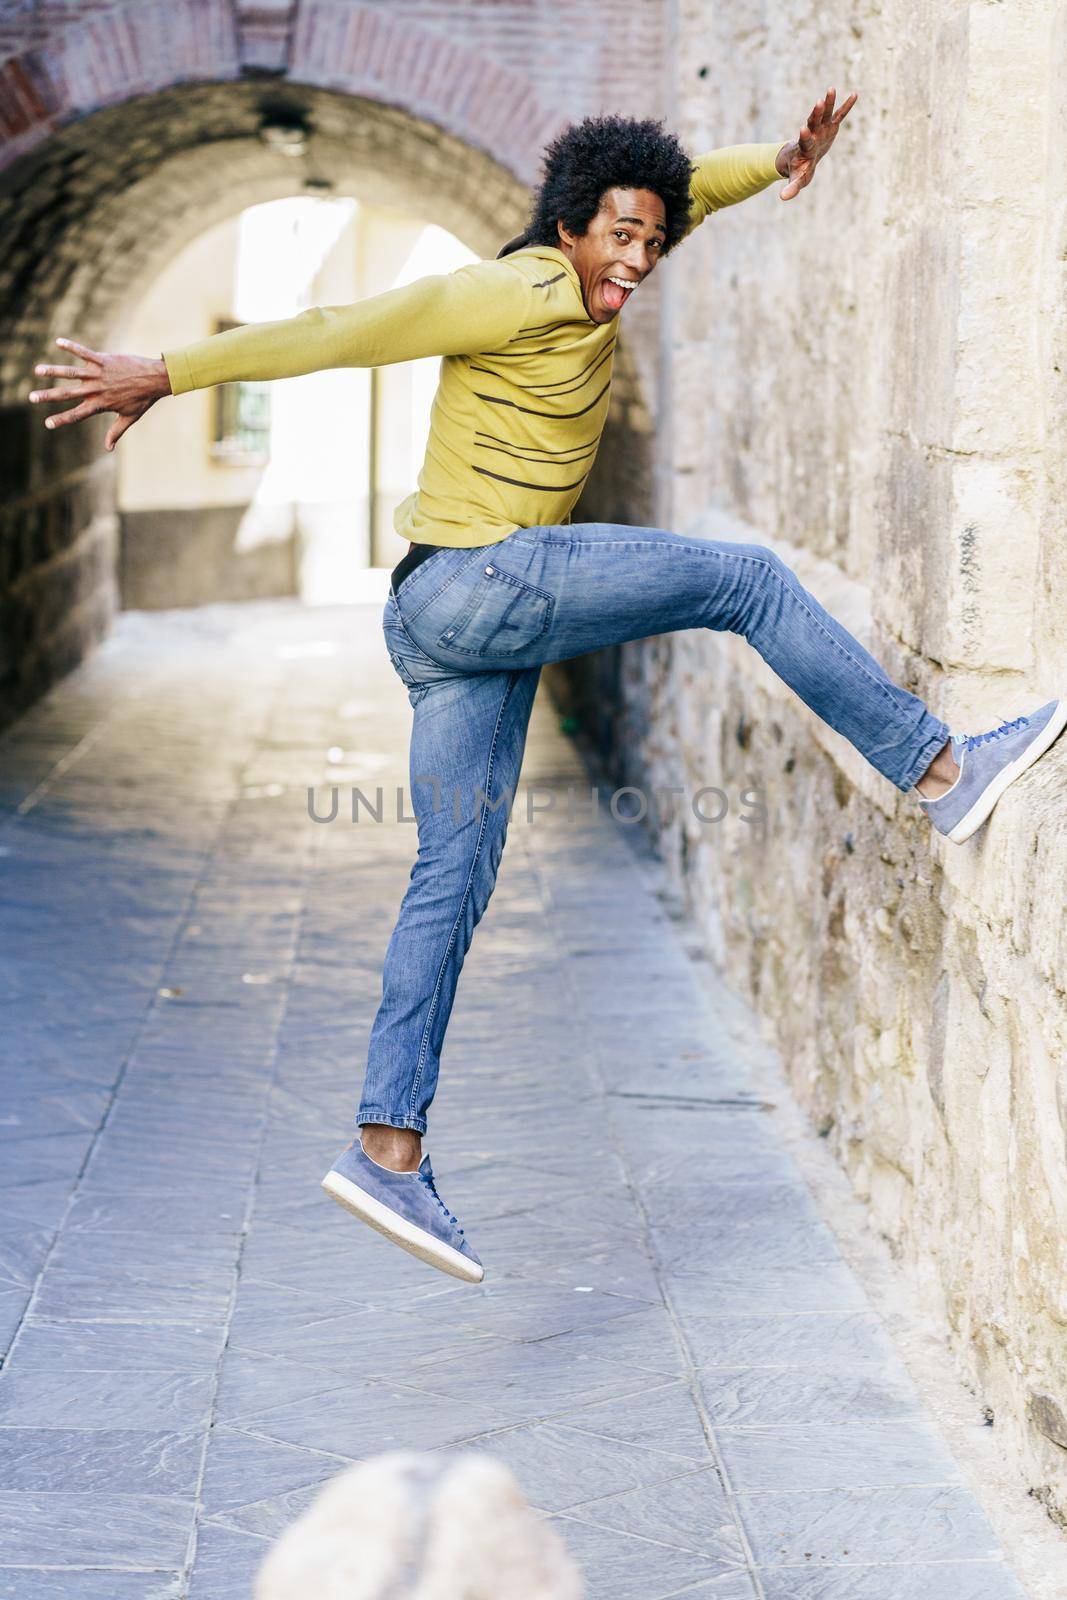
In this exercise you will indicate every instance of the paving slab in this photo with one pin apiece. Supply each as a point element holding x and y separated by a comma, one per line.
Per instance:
<point>668,1350</point>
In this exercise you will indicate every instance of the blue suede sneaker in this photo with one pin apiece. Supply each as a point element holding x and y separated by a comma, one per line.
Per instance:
<point>988,762</point>
<point>406,1207</point>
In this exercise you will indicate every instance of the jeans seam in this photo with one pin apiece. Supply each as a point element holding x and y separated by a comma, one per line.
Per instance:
<point>424,1042</point>
<point>415,687</point>
<point>413,642</point>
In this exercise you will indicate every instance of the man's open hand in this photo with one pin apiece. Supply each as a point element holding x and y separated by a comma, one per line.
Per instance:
<point>797,161</point>
<point>127,385</point>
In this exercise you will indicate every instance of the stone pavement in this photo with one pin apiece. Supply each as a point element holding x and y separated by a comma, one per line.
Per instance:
<point>668,1349</point>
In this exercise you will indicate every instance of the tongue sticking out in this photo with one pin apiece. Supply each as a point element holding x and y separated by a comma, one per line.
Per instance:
<point>613,295</point>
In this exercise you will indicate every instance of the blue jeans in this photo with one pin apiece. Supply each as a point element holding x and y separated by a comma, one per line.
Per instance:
<point>468,633</point>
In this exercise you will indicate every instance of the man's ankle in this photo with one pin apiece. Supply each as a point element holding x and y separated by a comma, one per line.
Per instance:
<point>940,775</point>
<point>398,1149</point>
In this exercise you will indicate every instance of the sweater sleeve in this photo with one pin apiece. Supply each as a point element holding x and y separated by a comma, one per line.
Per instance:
<point>477,308</point>
<point>723,177</point>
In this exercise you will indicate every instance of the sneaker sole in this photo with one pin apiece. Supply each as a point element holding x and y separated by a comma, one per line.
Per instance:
<point>972,820</point>
<point>396,1228</point>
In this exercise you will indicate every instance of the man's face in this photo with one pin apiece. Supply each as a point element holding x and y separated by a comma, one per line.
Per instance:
<point>622,243</point>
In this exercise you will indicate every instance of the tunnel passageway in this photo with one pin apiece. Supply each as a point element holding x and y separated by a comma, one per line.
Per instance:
<point>90,215</point>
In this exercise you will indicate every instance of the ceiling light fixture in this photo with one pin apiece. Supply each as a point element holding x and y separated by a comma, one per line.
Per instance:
<point>288,134</point>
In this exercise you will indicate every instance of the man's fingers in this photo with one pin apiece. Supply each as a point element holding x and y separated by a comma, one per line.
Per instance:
<point>814,139</point>
<point>116,430</point>
<point>80,350</point>
<point>801,177</point>
<point>61,372</point>
<point>40,395</point>
<point>76,414</point>
<point>845,109</point>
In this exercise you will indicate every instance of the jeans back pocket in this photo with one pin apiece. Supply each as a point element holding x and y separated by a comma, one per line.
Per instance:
<point>499,616</point>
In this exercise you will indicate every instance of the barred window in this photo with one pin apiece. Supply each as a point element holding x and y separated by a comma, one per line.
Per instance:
<point>242,419</point>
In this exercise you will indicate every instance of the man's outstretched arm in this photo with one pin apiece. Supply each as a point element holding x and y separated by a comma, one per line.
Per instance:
<point>453,313</point>
<point>725,177</point>
<point>472,309</point>
<point>736,172</point>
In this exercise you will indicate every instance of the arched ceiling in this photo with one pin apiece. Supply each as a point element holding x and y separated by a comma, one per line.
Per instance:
<point>92,214</point>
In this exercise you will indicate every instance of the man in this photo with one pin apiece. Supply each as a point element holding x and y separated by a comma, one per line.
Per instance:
<point>497,581</point>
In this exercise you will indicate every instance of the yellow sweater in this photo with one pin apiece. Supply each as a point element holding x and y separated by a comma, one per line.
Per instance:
<point>525,380</point>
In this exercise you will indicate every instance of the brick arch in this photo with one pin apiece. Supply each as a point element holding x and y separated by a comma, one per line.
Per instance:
<point>131,51</point>
<point>382,57</point>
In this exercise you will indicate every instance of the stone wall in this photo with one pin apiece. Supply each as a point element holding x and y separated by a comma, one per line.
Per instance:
<point>870,379</point>
<point>58,556</point>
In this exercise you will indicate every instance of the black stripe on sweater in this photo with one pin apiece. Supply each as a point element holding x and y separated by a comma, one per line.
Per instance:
<point>571,377</point>
<point>541,449</point>
<point>537,461</point>
<point>546,488</point>
<point>527,411</point>
<point>543,327</point>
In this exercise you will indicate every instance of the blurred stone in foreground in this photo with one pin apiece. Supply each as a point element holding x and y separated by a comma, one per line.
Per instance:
<point>408,1526</point>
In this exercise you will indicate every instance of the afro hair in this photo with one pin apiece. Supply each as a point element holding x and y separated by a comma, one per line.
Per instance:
<point>588,158</point>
